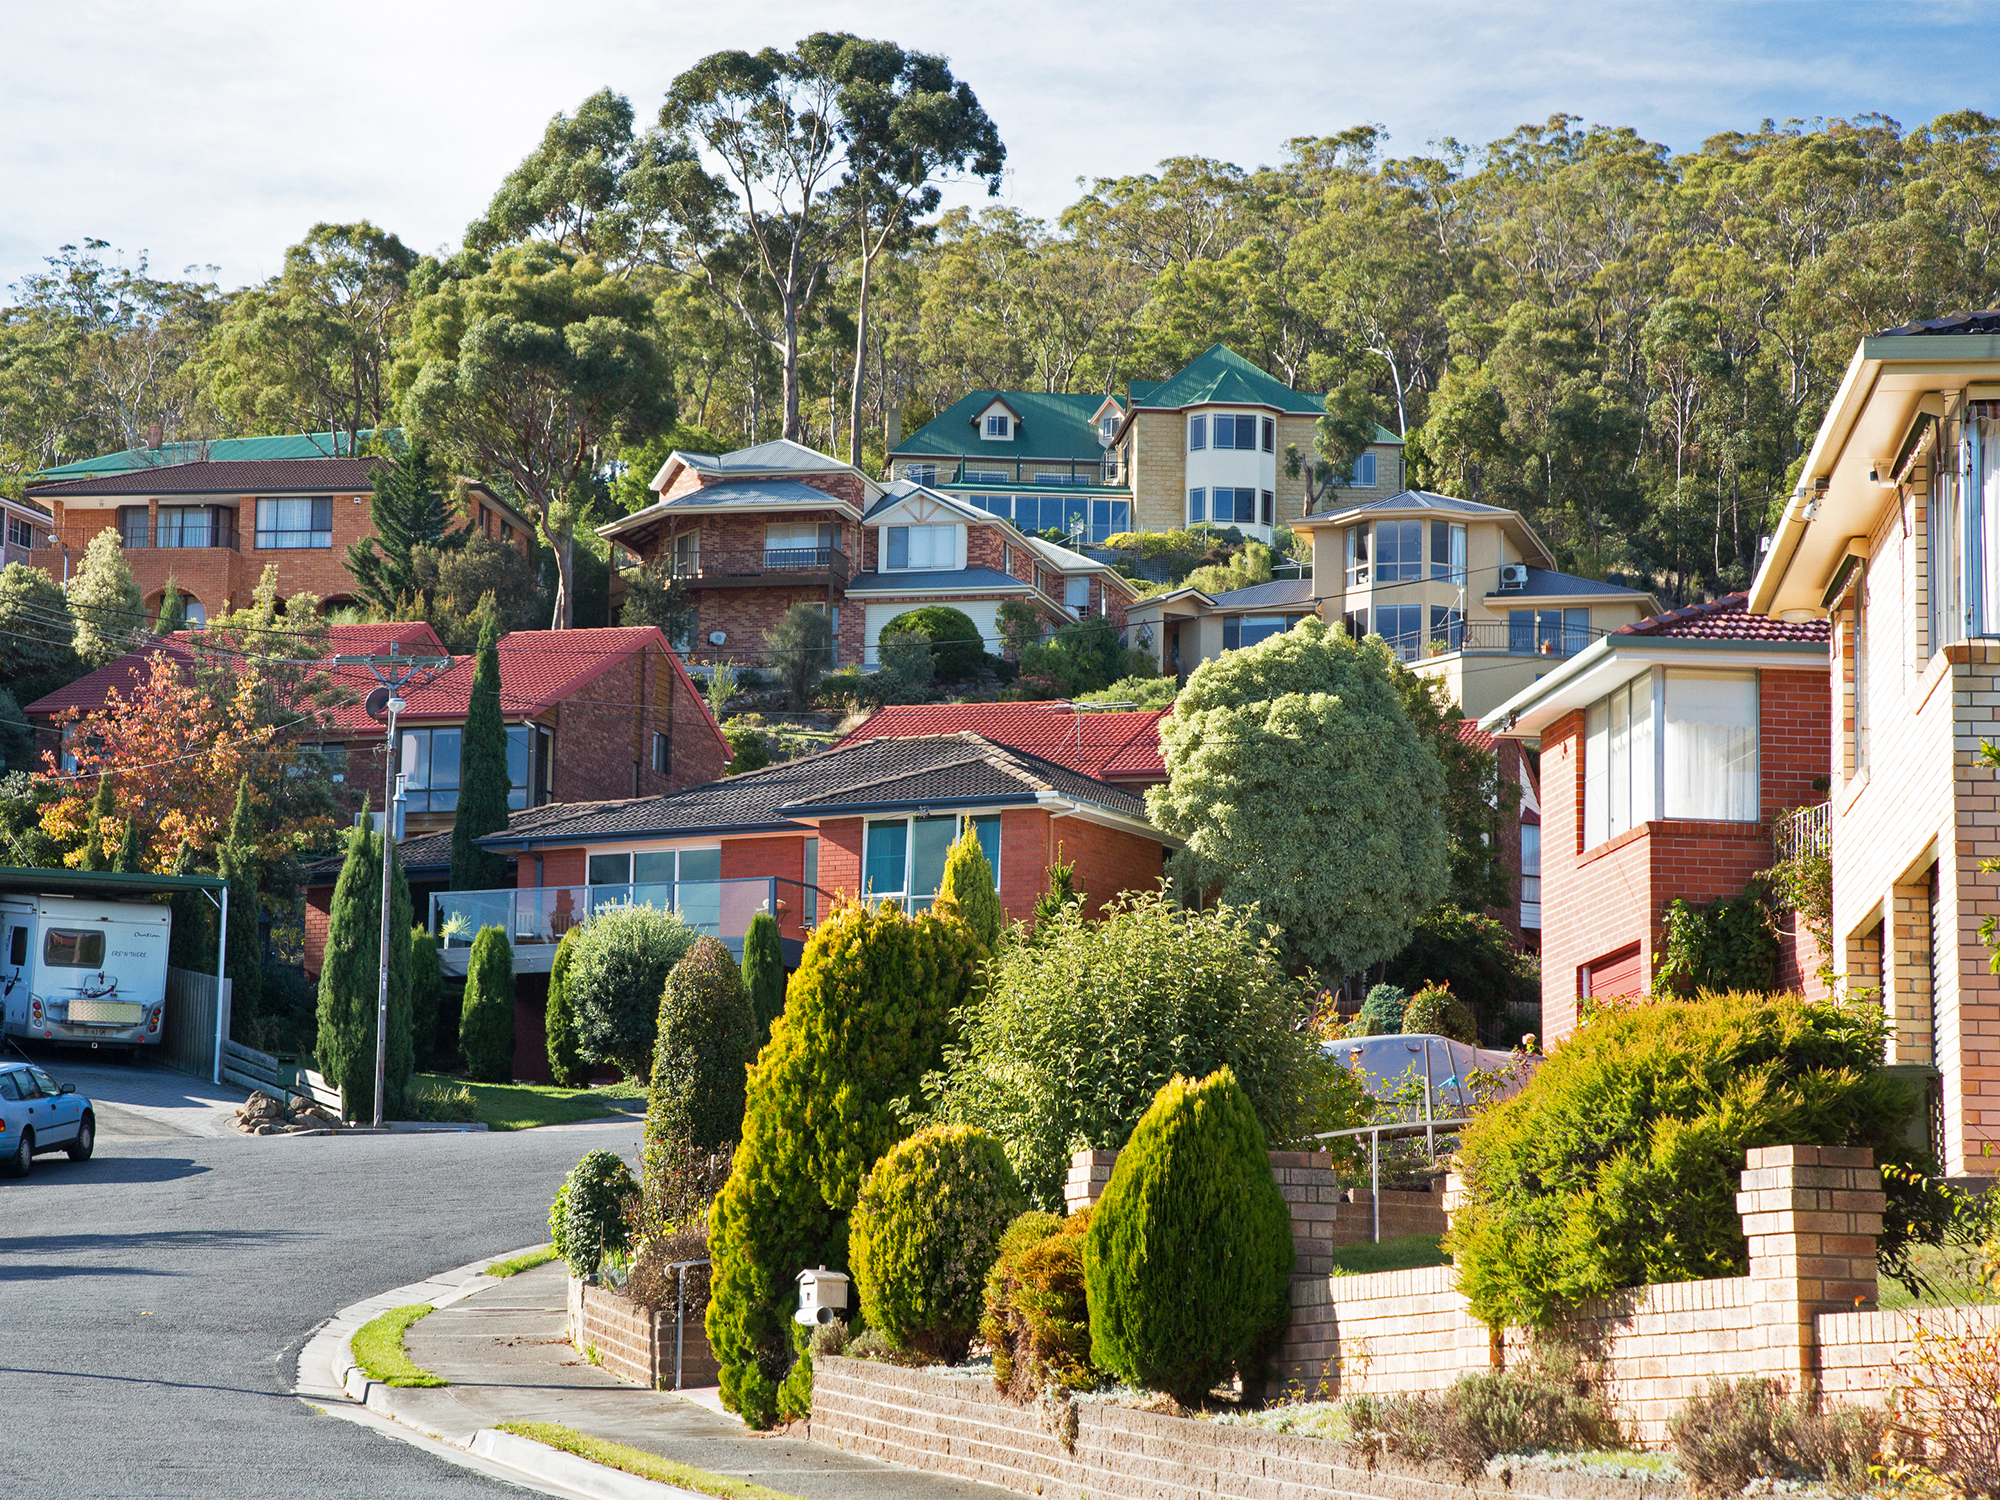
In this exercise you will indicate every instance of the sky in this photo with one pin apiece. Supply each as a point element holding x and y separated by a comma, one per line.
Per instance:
<point>216,132</point>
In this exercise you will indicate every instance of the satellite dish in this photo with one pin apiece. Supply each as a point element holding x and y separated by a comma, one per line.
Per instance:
<point>377,703</point>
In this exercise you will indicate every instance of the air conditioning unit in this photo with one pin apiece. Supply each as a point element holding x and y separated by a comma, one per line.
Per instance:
<point>1513,576</point>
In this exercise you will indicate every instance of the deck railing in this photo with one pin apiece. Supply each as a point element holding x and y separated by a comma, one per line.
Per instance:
<point>1804,830</point>
<point>542,914</point>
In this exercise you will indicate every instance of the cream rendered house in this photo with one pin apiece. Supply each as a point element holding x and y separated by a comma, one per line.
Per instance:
<point>1894,537</point>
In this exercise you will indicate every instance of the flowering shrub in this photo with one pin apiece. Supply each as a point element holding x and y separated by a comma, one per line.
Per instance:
<point>925,1232</point>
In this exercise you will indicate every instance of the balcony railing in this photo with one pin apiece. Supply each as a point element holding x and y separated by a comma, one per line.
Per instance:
<point>542,914</point>
<point>1805,830</point>
<point>1497,636</point>
<point>133,537</point>
<point>765,565</point>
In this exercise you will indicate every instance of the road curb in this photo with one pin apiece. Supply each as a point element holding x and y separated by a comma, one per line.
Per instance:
<point>328,1379</point>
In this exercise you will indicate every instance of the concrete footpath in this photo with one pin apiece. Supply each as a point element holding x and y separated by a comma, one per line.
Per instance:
<point>501,1345</point>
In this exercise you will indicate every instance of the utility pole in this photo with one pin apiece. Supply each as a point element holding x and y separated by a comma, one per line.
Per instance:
<point>394,672</point>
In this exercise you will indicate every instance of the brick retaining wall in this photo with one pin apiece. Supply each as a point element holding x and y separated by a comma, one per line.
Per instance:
<point>637,1343</point>
<point>1860,1352</point>
<point>961,1426</point>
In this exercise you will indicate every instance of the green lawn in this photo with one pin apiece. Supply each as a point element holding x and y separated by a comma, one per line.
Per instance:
<point>378,1347</point>
<point>521,1106</point>
<point>526,1261</point>
<point>1407,1252</point>
<point>1954,1278</point>
<point>638,1461</point>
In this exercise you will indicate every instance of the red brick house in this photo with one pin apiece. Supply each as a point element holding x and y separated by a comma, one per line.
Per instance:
<point>214,525</point>
<point>752,533</point>
<point>1121,746</point>
<point>1668,747</point>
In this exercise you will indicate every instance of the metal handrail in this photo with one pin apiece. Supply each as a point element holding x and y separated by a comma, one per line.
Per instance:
<point>680,1310</point>
<point>1804,830</point>
<point>1427,1128</point>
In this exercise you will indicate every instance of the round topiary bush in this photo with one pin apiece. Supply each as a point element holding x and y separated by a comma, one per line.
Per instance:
<point>593,1210</point>
<point>957,650</point>
<point>1435,1011</point>
<point>1037,1321</point>
<point>707,1038</point>
<point>924,1234</point>
<point>1617,1165</point>
<point>1382,1012</point>
<point>1188,1257</point>
<point>622,958</point>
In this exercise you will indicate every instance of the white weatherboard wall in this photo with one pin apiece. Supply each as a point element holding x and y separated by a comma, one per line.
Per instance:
<point>985,613</point>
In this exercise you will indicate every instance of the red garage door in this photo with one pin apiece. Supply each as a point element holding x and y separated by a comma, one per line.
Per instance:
<point>1615,974</point>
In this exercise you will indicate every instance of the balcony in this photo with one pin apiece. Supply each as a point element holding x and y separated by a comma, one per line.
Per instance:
<point>134,537</point>
<point>1491,637</point>
<point>1803,831</point>
<point>536,917</point>
<point>764,568</point>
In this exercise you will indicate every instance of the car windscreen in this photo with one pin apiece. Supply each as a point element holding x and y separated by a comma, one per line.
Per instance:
<point>72,948</point>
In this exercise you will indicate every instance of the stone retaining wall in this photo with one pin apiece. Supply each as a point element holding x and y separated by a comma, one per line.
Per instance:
<point>637,1343</point>
<point>961,1426</point>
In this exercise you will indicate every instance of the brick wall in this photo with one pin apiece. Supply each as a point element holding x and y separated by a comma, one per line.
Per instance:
<point>1108,861</point>
<point>637,1344</point>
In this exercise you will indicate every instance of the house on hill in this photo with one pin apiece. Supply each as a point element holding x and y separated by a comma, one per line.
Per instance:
<point>1114,745</point>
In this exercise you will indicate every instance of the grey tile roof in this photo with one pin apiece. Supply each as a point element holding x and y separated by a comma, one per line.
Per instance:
<point>1278,592</point>
<point>1544,583</point>
<point>752,494</point>
<point>944,770</point>
<point>899,581</point>
<point>424,858</point>
<point>1985,321</point>
<point>1413,500</point>
<point>778,453</point>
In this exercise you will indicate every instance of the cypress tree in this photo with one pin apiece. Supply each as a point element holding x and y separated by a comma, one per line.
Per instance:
<point>764,972</point>
<point>968,887</point>
<point>173,609</point>
<point>126,861</point>
<point>426,981</point>
<point>486,1023</point>
<point>409,510</point>
<point>566,1064</point>
<point>482,768</point>
<point>243,955</point>
<point>707,1038</point>
<point>350,976</point>
<point>93,855</point>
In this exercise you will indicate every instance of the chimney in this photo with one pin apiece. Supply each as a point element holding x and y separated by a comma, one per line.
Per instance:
<point>892,428</point>
<point>153,436</point>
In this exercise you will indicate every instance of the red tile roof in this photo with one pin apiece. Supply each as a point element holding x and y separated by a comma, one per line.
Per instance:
<point>1473,735</point>
<point>1727,619</point>
<point>1116,745</point>
<point>243,476</point>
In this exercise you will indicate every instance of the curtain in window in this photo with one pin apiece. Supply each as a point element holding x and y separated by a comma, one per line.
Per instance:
<point>930,844</point>
<point>987,827</point>
<point>1711,747</point>
<point>1618,762</point>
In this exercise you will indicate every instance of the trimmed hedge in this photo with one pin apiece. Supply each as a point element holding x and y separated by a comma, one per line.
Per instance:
<point>925,1232</point>
<point>707,1038</point>
<point>616,973</point>
<point>1188,1258</point>
<point>865,1018</point>
<point>958,653</point>
<point>764,970</point>
<point>486,1020</point>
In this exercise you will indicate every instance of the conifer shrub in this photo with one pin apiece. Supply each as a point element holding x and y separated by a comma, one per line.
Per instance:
<point>968,887</point>
<point>567,1068</point>
<point>957,651</point>
<point>1382,1012</point>
<point>617,971</point>
<point>486,1019</point>
<point>924,1234</point>
<point>593,1210</point>
<point>764,971</point>
<point>1435,1011</point>
<point>426,980</point>
<point>1037,1321</point>
<point>865,1018</point>
<point>707,1038</point>
<point>1617,1164</point>
<point>1188,1257</point>
<point>350,976</point>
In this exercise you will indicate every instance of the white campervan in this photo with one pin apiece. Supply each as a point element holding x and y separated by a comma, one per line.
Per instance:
<point>84,971</point>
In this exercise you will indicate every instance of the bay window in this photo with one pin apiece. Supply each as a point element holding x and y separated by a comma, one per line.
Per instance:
<point>1671,744</point>
<point>1197,434</point>
<point>1399,551</point>
<point>904,857</point>
<point>1402,626</point>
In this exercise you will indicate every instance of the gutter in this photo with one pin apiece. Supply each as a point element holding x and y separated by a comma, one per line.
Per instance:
<point>1645,651</point>
<point>502,843</point>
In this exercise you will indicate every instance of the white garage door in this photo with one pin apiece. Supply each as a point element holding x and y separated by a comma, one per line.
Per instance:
<point>984,613</point>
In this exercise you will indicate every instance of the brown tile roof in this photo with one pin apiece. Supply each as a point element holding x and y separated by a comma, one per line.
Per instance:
<point>1727,619</point>
<point>253,476</point>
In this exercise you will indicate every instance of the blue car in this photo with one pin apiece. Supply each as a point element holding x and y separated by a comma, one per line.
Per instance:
<point>37,1116</point>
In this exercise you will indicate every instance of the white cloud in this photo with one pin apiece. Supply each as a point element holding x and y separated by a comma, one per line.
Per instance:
<point>217,131</point>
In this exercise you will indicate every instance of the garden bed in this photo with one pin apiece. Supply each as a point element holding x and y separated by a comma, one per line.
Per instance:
<point>947,1424</point>
<point>637,1343</point>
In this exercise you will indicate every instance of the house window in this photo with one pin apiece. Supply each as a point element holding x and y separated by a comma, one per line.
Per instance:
<point>688,881</point>
<point>1399,551</point>
<point>984,476</point>
<point>1197,505</point>
<point>1364,471</point>
<point>1402,626</point>
<point>1107,426</point>
<point>1076,593</point>
<point>798,544</point>
<point>187,526</point>
<point>1234,431</point>
<point>998,427</point>
<point>1266,511</point>
<point>1355,622</point>
<point>663,756</point>
<point>904,857</point>
<point>284,524</point>
<point>920,473</point>
<point>1671,744</point>
<point>1270,435</point>
<point>1247,630</point>
<point>916,547</point>
<point>530,765</point>
<point>1197,434</point>
<point>430,769</point>
<point>1007,558</point>
<point>1618,762</point>
<point>1109,518</point>
<point>811,873</point>
<point>1357,557</point>
<point>1448,552</point>
<point>1531,868</point>
<point>134,526</point>
<point>20,534</point>
<point>1232,506</point>
<point>1547,632</point>
<point>1447,628</point>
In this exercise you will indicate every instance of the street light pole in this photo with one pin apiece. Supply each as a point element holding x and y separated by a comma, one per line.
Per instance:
<point>395,706</point>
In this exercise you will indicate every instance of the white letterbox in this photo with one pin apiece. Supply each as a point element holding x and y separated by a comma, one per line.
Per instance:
<point>822,1296</point>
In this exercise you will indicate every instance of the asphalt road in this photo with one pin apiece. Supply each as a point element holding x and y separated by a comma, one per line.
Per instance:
<point>153,1300</point>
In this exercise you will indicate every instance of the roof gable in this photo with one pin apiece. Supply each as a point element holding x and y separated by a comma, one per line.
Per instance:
<point>1220,375</point>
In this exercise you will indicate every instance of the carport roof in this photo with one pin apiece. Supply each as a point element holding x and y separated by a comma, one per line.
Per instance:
<point>100,882</point>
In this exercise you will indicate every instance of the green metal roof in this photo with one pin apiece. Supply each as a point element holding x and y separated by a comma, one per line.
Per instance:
<point>1052,426</point>
<point>1219,375</point>
<point>221,450</point>
<point>100,882</point>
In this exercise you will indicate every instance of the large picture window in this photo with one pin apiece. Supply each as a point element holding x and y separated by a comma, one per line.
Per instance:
<point>915,547</point>
<point>305,522</point>
<point>1399,551</point>
<point>684,880</point>
<point>1448,552</point>
<point>904,858</point>
<point>430,767</point>
<point>1671,744</point>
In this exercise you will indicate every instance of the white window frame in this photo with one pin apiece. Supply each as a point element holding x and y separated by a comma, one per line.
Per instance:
<point>954,553</point>
<point>997,428</point>
<point>1633,741</point>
